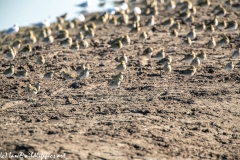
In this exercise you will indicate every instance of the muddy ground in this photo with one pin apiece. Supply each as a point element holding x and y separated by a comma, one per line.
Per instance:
<point>153,115</point>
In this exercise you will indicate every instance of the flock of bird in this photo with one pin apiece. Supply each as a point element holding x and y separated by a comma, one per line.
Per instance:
<point>130,19</point>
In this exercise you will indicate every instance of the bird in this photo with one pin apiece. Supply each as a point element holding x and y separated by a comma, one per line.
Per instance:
<point>115,83</point>
<point>189,20</point>
<point>126,40</point>
<point>211,43</point>
<point>232,25</point>
<point>224,41</point>
<point>80,36</point>
<point>151,21</point>
<point>136,29</point>
<point>40,60</point>
<point>222,12</point>
<point>75,46</point>
<point>48,31</point>
<point>119,76</point>
<point>113,20</point>
<point>48,75</point>
<point>189,57</point>
<point>11,53</point>
<point>195,62</point>
<point>37,86</point>
<point>117,46</point>
<point>43,24</point>
<point>48,40</point>
<point>42,34</point>
<point>187,42</point>
<point>185,14</point>
<point>12,30</point>
<point>80,68</point>
<point>190,71</point>
<point>201,26</point>
<point>31,37</point>
<point>168,23</point>
<point>135,18</point>
<point>121,67</point>
<point>90,33</point>
<point>210,28</point>
<point>229,66</point>
<point>21,74</point>
<point>214,22</point>
<point>84,74</point>
<point>137,10</point>
<point>17,44</point>
<point>192,34</point>
<point>31,90</point>
<point>160,55</point>
<point>66,42</point>
<point>67,75</point>
<point>167,67</point>
<point>204,3</point>
<point>143,36</point>
<point>85,4</point>
<point>176,26</point>
<point>92,25</point>
<point>62,35</point>
<point>83,44</point>
<point>222,25</point>
<point>81,17</point>
<point>123,58</point>
<point>147,53</point>
<point>202,56</point>
<point>57,28</point>
<point>236,53</point>
<point>171,5</point>
<point>83,28</point>
<point>164,61</point>
<point>9,71</point>
<point>174,33</point>
<point>26,49</point>
<point>70,25</point>
<point>60,20</point>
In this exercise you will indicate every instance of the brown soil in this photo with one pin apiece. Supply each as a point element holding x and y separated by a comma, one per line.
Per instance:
<point>153,115</point>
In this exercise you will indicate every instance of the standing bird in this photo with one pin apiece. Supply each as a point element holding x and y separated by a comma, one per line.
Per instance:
<point>21,74</point>
<point>26,49</point>
<point>62,35</point>
<point>31,90</point>
<point>67,42</point>
<point>236,53</point>
<point>147,53</point>
<point>126,40</point>
<point>11,53</point>
<point>190,71</point>
<point>174,33</point>
<point>143,36</point>
<point>189,57</point>
<point>192,34</point>
<point>75,46</point>
<point>211,43</point>
<point>48,75</point>
<point>48,40</point>
<point>202,56</point>
<point>164,61</point>
<point>195,62</point>
<point>80,36</point>
<point>9,72</point>
<point>167,67</point>
<point>40,60</point>
<point>229,66</point>
<point>114,83</point>
<point>187,42</point>
<point>160,55</point>
<point>117,46</point>
<point>31,37</point>
<point>17,44</point>
<point>83,44</point>
<point>90,33</point>
<point>84,74</point>
<point>233,25</point>
<point>224,41</point>
<point>121,67</point>
<point>151,21</point>
<point>12,30</point>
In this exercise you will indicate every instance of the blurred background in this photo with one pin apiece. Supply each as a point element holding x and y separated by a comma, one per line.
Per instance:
<point>27,12</point>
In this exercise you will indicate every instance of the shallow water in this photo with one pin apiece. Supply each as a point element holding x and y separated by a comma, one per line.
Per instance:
<point>27,12</point>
